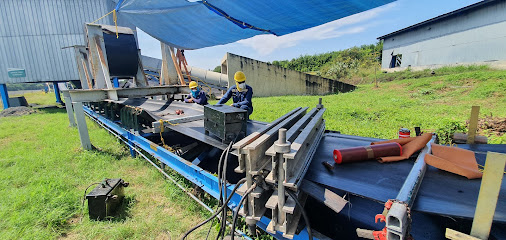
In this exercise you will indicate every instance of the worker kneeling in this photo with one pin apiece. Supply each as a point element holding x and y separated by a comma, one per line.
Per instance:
<point>241,94</point>
<point>196,96</point>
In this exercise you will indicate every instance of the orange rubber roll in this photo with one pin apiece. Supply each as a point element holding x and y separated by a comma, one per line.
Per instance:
<point>358,154</point>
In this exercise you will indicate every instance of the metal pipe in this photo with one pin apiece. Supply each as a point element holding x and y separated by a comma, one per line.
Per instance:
<point>398,218</point>
<point>210,77</point>
<point>409,189</point>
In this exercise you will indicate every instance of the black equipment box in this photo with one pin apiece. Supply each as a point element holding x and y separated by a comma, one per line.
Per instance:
<point>105,198</point>
<point>225,122</point>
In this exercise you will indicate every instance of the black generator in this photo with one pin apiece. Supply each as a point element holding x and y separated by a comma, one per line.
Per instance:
<point>104,199</point>
<point>226,122</point>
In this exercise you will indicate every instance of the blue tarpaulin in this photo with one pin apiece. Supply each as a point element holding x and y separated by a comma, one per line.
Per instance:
<point>192,25</point>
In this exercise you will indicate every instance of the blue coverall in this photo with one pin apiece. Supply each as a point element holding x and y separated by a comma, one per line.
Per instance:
<point>200,99</point>
<point>241,100</point>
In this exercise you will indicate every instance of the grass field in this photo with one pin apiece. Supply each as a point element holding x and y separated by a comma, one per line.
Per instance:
<point>435,103</point>
<point>44,172</point>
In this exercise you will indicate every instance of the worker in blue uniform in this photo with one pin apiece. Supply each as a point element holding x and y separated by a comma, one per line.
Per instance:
<point>240,93</point>
<point>196,95</point>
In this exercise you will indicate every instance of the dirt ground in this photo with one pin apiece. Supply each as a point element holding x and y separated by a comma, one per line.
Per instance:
<point>495,125</point>
<point>16,111</point>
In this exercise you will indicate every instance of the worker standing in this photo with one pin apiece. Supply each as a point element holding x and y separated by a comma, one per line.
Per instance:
<point>196,96</point>
<point>240,93</point>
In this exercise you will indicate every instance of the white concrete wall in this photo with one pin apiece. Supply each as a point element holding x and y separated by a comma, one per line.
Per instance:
<point>484,44</point>
<point>477,35</point>
<point>270,80</point>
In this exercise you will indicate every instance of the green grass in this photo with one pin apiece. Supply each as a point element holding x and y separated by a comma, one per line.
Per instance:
<point>435,103</point>
<point>44,174</point>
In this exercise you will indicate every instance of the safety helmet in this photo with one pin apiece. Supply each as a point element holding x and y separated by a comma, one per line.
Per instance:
<point>239,76</point>
<point>193,84</point>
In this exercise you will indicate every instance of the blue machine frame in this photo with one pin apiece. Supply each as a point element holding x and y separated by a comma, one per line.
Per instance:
<point>194,173</point>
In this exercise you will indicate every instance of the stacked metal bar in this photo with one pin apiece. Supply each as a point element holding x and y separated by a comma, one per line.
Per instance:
<point>267,155</point>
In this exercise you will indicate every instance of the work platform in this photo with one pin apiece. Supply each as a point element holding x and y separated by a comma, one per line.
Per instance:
<point>444,200</point>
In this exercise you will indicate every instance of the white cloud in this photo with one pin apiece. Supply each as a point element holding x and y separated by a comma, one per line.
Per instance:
<point>266,44</point>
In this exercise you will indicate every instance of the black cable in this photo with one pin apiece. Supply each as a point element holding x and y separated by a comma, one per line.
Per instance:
<point>236,213</point>
<point>220,184</point>
<point>306,219</point>
<point>223,226</point>
<point>84,196</point>
<point>217,212</point>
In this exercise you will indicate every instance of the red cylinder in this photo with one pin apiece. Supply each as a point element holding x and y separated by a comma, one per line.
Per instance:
<point>357,154</point>
<point>404,133</point>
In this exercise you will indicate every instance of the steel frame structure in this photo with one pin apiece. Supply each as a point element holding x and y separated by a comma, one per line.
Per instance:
<point>203,179</point>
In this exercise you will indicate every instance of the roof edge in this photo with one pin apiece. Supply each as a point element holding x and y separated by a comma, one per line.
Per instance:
<point>449,14</point>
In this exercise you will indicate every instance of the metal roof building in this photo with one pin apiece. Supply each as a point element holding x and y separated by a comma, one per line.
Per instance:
<point>33,33</point>
<point>475,34</point>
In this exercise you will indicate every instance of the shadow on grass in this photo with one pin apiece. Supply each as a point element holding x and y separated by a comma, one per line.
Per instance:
<point>123,212</point>
<point>51,109</point>
<point>109,152</point>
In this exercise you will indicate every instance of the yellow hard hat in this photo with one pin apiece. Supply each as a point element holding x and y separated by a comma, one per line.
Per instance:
<point>193,84</point>
<point>239,76</point>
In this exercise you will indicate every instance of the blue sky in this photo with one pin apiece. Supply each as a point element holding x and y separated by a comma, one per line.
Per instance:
<point>355,30</point>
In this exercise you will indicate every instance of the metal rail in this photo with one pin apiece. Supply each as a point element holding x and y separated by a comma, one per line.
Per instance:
<point>197,175</point>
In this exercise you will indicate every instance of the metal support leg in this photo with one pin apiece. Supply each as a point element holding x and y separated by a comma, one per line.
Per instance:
<point>5,95</point>
<point>57,93</point>
<point>130,137</point>
<point>70,111</point>
<point>81,126</point>
<point>115,81</point>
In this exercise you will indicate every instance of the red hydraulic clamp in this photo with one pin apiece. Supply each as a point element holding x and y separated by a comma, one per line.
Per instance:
<point>382,234</point>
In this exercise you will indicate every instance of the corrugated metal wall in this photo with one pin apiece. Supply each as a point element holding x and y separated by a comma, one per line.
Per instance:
<point>476,36</point>
<point>33,32</point>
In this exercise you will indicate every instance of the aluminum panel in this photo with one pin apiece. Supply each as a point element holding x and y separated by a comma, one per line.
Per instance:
<point>32,33</point>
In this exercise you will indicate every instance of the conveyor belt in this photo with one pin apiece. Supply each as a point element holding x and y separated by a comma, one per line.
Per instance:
<point>166,110</point>
<point>441,192</point>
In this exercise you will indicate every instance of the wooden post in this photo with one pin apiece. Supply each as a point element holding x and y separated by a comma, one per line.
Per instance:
<point>179,73</point>
<point>489,193</point>
<point>473,124</point>
<point>169,74</point>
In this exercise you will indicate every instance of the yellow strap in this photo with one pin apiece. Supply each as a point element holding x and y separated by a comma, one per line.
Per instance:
<point>114,17</point>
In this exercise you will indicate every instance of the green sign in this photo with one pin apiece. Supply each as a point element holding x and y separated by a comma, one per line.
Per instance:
<point>16,72</point>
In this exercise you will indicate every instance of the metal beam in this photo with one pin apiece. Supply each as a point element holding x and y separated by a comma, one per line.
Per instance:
<point>68,106</point>
<point>57,92</point>
<point>96,95</point>
<point>5,95</point>
<point>81,126</point>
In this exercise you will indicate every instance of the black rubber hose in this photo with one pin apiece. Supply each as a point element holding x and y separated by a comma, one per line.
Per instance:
<point>217,212</point>
<point>306,219</point>
<point>236,214</point>
<point>222,176</point>
<point>223,226</point>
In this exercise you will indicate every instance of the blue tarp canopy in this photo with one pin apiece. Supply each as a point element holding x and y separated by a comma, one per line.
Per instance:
<point>192,25</point>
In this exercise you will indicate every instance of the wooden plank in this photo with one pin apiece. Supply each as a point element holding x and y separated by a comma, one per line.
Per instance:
<point>455,235</point>
<point>179,73</point>
<point>88,80</point>
<point>473,124</point>
<point>461,138</point>
<point>103,63</point>
<point>489,192</point>
<point>365,233</point>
